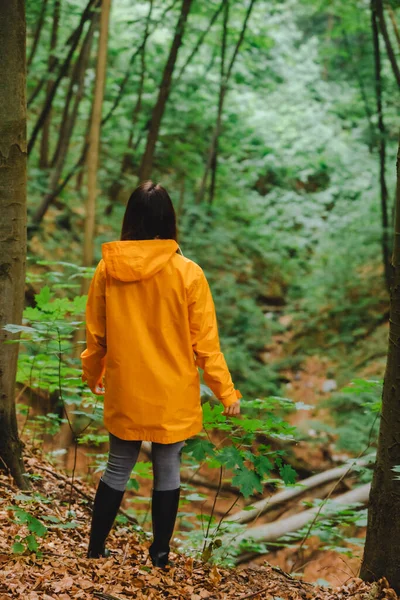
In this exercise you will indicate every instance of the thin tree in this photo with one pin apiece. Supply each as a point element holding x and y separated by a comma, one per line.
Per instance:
<point>382,548</point>
<point>394,24</point>
<point>385,34</point>
<point>44,143</point>
<point>94,139</point>
<point>381,143</point>
<point>117,185</point>
<point>74,39</point>
<point>13,159</point>
<point>38,32</point>
<point>211,164</point>
<point>75,93</point>
<point>222,92</point>
<point>146,164</point>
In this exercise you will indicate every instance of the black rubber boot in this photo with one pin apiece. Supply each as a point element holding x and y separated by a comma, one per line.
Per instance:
<point>105,508</point>
<point>164,509</point>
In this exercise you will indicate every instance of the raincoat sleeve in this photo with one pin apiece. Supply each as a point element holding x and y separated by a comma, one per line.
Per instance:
<point>205,342</point>
<point>93,357</point>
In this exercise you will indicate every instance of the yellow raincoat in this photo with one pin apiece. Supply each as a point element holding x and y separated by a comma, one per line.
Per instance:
<point>150,322</point>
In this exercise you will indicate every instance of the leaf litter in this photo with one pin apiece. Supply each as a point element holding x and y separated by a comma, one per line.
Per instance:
<point>61,571</point>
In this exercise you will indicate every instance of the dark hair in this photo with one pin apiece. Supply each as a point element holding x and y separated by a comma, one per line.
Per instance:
<point>149,214</point>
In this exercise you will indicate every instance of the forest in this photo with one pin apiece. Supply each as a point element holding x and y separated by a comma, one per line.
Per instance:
<point>274,126</point>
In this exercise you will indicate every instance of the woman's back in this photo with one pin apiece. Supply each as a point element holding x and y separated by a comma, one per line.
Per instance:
<point>152,311</point>
<point>151,376</point>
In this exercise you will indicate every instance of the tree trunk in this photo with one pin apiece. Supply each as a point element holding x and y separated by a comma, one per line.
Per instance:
<point>117,184</point>
<point>87,14</point>
<point>385,34</point>
<point>382,548</point>
<point>37,34</point>
<point>159,108</point>
<point>94,139</point>
<point>74,94</point>
<point>381,144</point>
<point>198,45</point>
<point>44,144</point>
<point>394,24</point>
<point>225,77</point>
<point>75,91</point>
<point>13,221</point>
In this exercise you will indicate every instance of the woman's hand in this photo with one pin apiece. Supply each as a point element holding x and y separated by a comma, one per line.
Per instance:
<point>99,390</point>
<point>233,409</point>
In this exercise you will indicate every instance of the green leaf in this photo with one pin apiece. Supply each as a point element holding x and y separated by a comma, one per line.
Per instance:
<point>35,526</point>
<point>230,457</point>
<point>79,305</point>
<point>43,298</point>
<point>288,474</point>
<point>195,497</point>
<point>23,498</point>
<point>51,518</point>
<point>199,448</point>
<point>18,548</point>
<point>133,484</point>
<point>247,480</point>
<point>262,465</point>
<point>32,543</point>
<point>11,328</point>
<point>32,314</point>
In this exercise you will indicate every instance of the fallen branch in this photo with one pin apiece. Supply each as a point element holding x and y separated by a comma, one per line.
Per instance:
<point>267,504</point>
<point>271,532</point>
<point>253,594</point>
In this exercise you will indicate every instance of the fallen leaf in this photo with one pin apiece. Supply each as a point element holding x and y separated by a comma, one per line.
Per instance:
<point>215,575</point>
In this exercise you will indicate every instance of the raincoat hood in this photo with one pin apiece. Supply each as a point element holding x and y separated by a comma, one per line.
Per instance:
<point>133,260</point>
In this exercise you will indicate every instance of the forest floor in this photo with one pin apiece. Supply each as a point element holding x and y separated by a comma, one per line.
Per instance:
<point>59,569</point>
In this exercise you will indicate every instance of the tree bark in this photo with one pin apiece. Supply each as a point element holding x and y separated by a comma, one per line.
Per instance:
<point>382,548</point>
<point>381,144</point>
<point>13,159</point>
<point>44,144</point>
<point>159,108</point>
<point>94,139</point>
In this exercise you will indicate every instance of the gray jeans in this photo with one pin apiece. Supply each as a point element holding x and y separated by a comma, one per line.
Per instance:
<point>166,460</point>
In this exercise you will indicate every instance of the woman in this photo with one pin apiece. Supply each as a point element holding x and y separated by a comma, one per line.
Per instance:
<point>150,322</point>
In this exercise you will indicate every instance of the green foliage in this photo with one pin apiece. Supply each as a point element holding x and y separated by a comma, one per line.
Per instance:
<point>251,463</point>
<point>336,532</point>
<point>250,467</point>
<point>35,528</point>
<point>355,411</point>
<point>48,361</point>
